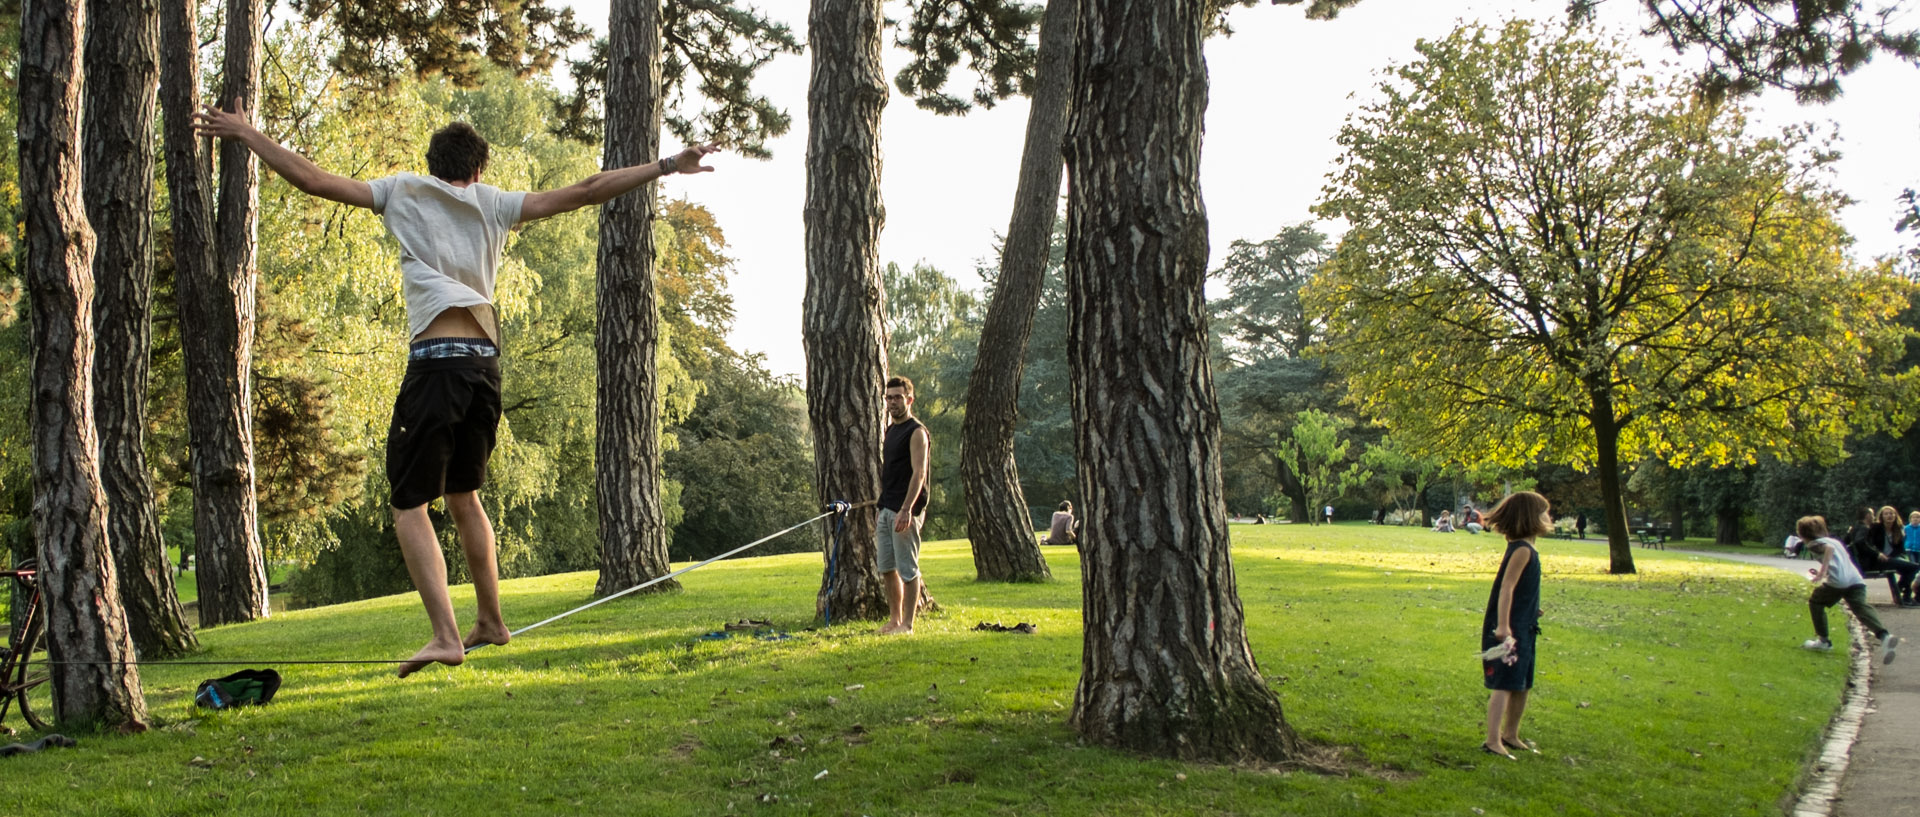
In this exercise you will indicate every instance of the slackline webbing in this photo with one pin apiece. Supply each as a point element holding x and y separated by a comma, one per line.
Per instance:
<point>831,508</point>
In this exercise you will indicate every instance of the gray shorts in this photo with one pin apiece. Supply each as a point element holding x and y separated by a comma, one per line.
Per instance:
<point>897,550</point>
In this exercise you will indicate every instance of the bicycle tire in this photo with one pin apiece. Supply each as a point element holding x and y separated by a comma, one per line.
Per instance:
<point>27,690</point>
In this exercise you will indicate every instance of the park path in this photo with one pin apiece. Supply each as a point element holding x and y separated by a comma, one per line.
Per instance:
<point>1886,756</point>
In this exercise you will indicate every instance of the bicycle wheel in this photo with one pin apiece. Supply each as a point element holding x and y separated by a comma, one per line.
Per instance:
<point>24,685</point>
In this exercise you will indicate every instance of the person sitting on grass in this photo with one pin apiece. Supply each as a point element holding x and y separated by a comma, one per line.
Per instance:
<point>1470,519</point>
<point>1445,523</point>
<point>452,230</point>
<point>1061,532</point>
<point>1511,626</point>
<point>1836,580</point>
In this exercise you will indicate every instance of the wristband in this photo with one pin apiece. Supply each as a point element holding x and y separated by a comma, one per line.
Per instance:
<point>667,165</point>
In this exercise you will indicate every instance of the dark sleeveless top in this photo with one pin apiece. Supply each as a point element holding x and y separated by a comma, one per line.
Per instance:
<point>1524,616</point>
<point>896,467</point>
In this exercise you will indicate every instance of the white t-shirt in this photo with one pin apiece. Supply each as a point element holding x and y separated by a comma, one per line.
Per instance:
<point>450,239</point>
<point>1840,570</point>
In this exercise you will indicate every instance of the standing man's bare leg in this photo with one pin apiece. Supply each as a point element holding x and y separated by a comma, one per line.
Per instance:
<point>429,571</point>
<point>476,541</point>
<point>910,604</point>
<point>891,581</point>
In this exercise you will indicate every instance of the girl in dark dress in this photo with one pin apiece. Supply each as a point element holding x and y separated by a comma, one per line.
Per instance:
<point>1512,623</point>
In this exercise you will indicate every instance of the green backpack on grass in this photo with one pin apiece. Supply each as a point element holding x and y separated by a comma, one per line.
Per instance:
<point>244,688</point>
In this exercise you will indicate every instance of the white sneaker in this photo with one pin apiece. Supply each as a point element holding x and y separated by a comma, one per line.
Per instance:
<point>1817,645</point>
<point>1887,646</point>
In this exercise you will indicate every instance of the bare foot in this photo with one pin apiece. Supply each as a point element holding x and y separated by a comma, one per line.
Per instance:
<point>495,634</point>
<point>900,630</point>
<point>434,652</point>
<point>888,628</point>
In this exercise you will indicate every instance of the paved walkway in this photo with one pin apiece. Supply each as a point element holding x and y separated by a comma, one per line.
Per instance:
<point>1881,772</point>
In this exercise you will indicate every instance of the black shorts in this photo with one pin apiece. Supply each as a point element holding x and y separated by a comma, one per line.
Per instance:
<point>443,428</point>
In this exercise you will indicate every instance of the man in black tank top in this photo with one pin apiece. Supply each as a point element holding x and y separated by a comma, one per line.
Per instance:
<point>903,485</point>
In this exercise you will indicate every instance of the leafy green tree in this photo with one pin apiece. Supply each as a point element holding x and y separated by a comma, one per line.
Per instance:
<point>1552,260</point>
<point>1402,476</point>
<point>1266,378</point>
<point>1313,449</point>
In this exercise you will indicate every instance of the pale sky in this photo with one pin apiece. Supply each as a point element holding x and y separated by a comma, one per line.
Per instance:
<point>1281,87</point>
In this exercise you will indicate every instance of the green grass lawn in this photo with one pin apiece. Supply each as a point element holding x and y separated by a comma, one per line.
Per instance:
<point>1680,691</point>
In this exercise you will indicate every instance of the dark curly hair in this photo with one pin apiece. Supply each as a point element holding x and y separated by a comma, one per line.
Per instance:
<point>456,153</point>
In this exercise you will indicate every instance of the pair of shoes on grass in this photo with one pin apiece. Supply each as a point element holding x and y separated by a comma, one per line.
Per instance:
<point>1817,645</point>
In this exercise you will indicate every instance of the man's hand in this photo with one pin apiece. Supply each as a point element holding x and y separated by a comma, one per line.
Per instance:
<point>211,122</point>
<point>901,522</point>
<point>688,161</point>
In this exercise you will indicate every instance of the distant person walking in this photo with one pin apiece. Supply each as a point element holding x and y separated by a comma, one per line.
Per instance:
<point>903,507</point>
<point>1061,532</point>
<point>1580,524</point>
<point>1511,626</point>
<point>1837,580</point>
<point>1327,513</point>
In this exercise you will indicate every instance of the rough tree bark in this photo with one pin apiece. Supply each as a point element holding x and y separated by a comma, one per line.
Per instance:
<point>122,66</point>
<point>633,530</point>
<point>840,322</point>
<point>85,621</point>
<point>215,288</point>
<point>1166,668</point>
<point>1004,547</point>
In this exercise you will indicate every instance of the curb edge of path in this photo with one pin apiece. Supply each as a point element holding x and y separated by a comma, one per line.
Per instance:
<point>1831,766</point>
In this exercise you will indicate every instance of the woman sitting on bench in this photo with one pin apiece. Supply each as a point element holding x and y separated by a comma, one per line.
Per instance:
<point>1877,545</point>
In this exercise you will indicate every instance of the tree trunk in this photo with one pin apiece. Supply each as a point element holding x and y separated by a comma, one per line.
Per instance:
<point>1004,547</point>
<point>1606,431</point>
<point>1726,526</point>
<point>1296,493</point>
<point>1166,668</point>
<point>122,65</point>
<point>216,340</point>
<point>840,321</point>
<point>85,621</point>
<point>633,531</point>
<point>1677,515</point>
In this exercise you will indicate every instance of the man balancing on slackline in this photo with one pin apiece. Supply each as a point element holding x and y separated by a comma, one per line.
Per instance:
<point>452,230</point>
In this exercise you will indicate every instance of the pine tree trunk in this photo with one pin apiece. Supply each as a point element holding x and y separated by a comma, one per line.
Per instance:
<point>215,294</point>
<point>1606,432</point>
<point>633,531</point>
<point>1166,668</point>
<point>122,65</point>
<point>1004,547</point>
<point>85,620</point>
<point>840,321</point>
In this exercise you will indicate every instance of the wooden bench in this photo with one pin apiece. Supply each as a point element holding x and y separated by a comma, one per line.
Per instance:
<point>1893,581</point>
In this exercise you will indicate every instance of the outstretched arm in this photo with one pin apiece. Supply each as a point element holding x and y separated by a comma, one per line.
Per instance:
<point>302,173</point>
<point>604,186</point>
